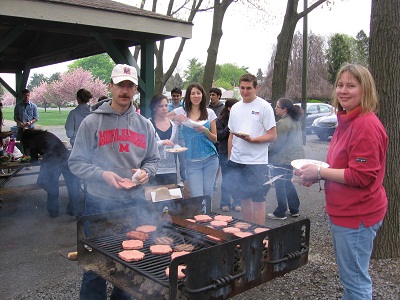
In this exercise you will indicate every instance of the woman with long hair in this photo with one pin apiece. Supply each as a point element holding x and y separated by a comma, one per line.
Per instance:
<point>201,156</point>
<point>287,147</point>
<point>223,135</point>
<point>167,137</point>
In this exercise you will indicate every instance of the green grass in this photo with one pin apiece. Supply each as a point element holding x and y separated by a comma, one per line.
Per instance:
<point>52,117</point>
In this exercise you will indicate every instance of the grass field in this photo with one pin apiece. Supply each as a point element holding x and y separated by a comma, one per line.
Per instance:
<point>52,117</point>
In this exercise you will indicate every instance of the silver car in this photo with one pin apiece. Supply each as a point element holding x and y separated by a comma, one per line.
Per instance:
<point>314,111</point>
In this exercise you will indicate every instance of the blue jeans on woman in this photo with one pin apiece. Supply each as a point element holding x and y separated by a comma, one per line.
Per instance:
<point>201,175</point>
<point>353,248</point>
<point>94,287</point>
<point>285,191</point>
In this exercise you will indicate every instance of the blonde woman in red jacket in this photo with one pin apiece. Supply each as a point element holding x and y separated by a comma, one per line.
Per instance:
<point>356,200</point>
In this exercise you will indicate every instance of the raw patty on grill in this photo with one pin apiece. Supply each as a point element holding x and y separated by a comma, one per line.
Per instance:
<point>180,273</point>
<point>137,235</point>
<point>180,253</point>
<point>184,247</point>
<point>242,225</point>
<point>260,229</point>
<point>202,218</point>
<point>131,255</point>
<point>132,245</point>
<point>223,218</point>
<point>147,228</point>
<point>191,220</point>
<point>218,223</point>
<point>160,249</point>
<point>163,240</point>
<point>231,229</point>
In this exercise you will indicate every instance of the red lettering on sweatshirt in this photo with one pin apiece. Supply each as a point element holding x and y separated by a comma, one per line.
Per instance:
<point>123,147</point>
<point>107,137</point>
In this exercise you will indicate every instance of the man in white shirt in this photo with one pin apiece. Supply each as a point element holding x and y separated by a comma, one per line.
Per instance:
<point>252,125</point>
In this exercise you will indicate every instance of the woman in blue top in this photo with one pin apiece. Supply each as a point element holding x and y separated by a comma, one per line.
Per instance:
<point>201,156</point>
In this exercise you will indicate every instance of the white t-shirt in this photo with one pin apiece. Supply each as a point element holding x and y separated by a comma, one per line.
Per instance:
<point>254,118</point>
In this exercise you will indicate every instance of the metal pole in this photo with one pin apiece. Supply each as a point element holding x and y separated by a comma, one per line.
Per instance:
<point>304,73</point>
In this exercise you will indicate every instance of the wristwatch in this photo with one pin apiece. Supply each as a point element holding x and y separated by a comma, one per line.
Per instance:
<point>319,173</point>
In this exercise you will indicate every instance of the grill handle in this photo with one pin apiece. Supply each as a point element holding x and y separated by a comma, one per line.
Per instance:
<point>218,283</point>
<point>290,256</point>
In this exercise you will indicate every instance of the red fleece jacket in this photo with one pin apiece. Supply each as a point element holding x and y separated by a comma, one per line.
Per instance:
<point>358,146</point>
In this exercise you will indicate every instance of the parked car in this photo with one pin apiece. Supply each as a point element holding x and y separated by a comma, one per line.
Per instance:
<point>324,127</point>
<point>314,111</point>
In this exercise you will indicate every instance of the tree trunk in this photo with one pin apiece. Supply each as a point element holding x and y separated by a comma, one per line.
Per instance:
<point>283,47</point>
<point>385,68</point>
<point>161,78</point>
<point>216,35</point>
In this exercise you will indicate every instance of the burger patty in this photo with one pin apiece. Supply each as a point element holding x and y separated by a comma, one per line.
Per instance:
<point>132,245</point>
<point>163,240</point>
<point>137,235</point>
<point>131,255</point>
<point>184,247</point>
<point>160,249</point>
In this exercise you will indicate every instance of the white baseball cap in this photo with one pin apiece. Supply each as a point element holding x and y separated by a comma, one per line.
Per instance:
<point>124,72</point>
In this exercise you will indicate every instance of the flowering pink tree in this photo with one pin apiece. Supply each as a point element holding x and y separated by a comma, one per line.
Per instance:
<point>8,99</point>
<point>72,81</point>
<point>39,95</point>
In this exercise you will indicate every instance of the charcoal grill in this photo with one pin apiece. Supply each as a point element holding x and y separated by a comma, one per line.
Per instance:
<point>214,270</point>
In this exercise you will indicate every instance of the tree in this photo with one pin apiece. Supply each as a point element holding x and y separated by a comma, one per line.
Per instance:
<point>72,81</point>
<point>362,48</point>
<point>259,75</point>
<point>161,77</point>
<point>338,53</point>
<point>284,41</point>
<point>194,72</point>
<point>8,99</point>
<point>230,74</point>
<point>100,66</point>
<point>36,80</point>
<point>318,86</point>
<point>39,95</point>
<point>384,61</point>
<point>220,8</point>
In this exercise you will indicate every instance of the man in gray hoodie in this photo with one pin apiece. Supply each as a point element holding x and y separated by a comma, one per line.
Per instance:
<point>112,144</point>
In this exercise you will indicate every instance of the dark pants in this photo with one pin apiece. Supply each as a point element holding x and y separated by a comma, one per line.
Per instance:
<point>48,179</point>
<point>93,287</point>
<point>225,184</point>
<point>286,193</point>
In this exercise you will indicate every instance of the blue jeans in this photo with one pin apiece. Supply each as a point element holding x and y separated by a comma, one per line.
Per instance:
<point>225,184</point>
<point>285,191</point>
<point>93,287</point>
<point>201,175</point>
<point>353,248</point>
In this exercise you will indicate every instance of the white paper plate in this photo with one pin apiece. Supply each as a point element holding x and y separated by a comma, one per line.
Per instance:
<point>193,124</point>
<point>176,150</point>
<point>240,133</point>
<point>298,163</point>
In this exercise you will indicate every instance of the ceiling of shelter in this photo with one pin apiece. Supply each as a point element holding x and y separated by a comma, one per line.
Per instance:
<point>35,33</point>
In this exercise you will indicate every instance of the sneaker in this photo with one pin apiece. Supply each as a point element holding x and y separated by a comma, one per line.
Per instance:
<point>225,208</point>
<point>295,215</point>
<point>28,168</point>
<point>238,208</point>
<point>273,217</point>
<point>180,184</point>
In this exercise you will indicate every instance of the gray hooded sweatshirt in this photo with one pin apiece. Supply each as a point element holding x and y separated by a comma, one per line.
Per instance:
<point>109,141</point>
<point>74,120</point>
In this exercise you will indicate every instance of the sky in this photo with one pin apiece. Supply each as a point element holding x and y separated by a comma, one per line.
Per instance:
<point>248,38</point>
